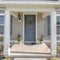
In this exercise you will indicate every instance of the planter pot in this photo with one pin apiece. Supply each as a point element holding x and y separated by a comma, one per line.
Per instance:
<point>18,41</point>
<point>41,42</point>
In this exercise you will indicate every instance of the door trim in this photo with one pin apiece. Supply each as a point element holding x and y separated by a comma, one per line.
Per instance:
<point>24,24</point>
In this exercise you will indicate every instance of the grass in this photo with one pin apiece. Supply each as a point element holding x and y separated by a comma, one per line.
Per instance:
<point>7,59</point>
<point>58,48</point>
<point>55,58</point>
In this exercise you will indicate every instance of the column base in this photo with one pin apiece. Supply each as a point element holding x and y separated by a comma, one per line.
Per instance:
<point>53,53</point>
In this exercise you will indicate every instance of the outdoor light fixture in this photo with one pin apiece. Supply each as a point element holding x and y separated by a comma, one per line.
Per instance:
<point>19,17</point>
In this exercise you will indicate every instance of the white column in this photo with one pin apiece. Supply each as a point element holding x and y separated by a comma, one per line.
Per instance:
<point>53,34</point>
<point>7,33</point>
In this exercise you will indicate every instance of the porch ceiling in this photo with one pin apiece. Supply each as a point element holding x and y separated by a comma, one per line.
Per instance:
<point>32,49</point>
<point>30,9</point>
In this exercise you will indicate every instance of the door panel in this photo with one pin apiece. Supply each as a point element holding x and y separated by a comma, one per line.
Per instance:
<point>30,29</point>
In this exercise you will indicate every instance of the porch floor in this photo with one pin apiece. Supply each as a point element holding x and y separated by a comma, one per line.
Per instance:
<point>31,49</point>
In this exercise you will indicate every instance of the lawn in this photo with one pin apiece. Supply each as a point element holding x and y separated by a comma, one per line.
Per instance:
<point>54,58</point>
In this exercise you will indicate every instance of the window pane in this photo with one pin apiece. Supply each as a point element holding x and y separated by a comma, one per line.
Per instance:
<point>58,20</point>
<point>58,29</point>
<point>1,19</point>
<point>1,29</point>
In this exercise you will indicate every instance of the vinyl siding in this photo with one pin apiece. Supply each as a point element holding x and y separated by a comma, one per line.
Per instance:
<point>18,27</point>
<point>42,26</point>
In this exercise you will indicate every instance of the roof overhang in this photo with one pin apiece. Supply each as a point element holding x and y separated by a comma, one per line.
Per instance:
<point>41,3</point>
<point>31,2</point>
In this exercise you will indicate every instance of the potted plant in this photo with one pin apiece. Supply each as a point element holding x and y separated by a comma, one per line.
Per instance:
<point>41,38</point>
<point>19,37</point>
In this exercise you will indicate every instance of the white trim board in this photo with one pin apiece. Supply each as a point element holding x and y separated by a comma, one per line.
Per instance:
<point>31,2</point>
<point>23,23</point>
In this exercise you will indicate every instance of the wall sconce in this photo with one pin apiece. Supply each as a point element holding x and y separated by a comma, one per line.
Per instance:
<point>19,17</point>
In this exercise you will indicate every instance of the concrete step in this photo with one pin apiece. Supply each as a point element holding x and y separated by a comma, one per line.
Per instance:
<point>22,55</point>
<point>30,59</point>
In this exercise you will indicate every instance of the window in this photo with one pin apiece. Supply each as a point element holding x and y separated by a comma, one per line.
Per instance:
<point>58,24</point>
<point>48,25</point>
<point>2,24</point>
<point>1,29</point>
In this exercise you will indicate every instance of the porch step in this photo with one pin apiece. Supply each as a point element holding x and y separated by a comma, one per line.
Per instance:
<point>22,55</point>
<point>30,59</point>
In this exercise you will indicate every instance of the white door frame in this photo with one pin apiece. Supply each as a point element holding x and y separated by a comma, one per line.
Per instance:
<point>24,21</point>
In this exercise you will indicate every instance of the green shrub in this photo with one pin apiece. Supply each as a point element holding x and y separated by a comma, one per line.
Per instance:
<point>58,48</point>
<point>55,58</point>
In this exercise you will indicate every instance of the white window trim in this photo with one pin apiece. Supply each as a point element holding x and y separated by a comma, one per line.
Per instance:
<point>2,13</point>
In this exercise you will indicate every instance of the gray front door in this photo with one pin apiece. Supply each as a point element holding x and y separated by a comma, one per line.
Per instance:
<point>30,29</point>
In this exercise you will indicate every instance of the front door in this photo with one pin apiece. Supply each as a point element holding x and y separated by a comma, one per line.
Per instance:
<point>30,29</point>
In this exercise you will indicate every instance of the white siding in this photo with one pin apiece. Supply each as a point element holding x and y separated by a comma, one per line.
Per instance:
<point>44,15</point>
<point>42,25</point>
<point>18,27</point>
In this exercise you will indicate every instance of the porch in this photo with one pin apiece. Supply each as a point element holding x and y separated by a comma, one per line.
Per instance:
<point>30,44</point>
<point>40,27</point>
<point>30,49</point>
<point>33,51</point>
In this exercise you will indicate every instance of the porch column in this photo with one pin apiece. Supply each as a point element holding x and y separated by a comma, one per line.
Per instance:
<point>7,33</point>
<point>53,34</point>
